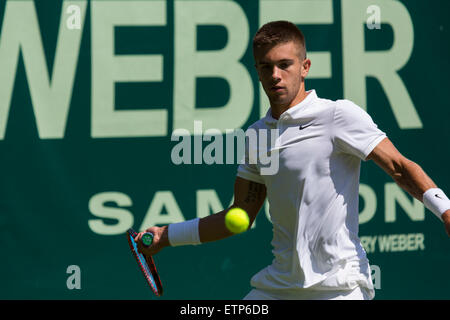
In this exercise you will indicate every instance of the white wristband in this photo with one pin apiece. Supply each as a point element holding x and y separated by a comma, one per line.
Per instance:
<point>184,233</point>
<point>436,201</point>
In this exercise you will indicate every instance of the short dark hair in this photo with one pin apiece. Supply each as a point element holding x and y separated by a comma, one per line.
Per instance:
<point>277,32</point>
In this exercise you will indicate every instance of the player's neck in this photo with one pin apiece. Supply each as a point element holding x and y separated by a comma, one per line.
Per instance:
<point>278,109</point>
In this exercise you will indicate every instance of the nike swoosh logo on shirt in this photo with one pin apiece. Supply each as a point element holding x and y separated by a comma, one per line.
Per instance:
<point>438,196</point>
<point>304,126</point>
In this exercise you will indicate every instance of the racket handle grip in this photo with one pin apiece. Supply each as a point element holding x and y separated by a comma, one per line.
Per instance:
<point>147,239</point>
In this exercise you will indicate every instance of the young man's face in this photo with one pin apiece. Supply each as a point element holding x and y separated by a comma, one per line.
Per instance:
<point>281,72</point>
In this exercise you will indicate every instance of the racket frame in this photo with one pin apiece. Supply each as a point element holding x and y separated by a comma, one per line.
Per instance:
<point>146,265</point>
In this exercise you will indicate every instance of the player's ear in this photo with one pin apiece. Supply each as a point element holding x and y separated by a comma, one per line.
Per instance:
<point>306,65</point>
<point>256,68</point>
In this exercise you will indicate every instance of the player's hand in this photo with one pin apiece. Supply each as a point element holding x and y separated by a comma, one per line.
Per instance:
<point>446,218</point>
<point>160,240</point>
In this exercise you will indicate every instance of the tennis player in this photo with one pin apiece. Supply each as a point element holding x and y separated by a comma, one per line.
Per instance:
<point>313,196</point>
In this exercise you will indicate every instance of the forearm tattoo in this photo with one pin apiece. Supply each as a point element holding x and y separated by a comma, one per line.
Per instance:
<point>255,192</point>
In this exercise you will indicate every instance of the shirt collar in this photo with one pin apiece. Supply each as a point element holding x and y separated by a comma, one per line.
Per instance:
<point>293,112</point>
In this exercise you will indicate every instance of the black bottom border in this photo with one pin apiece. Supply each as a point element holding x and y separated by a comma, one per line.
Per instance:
<point>216,309</point>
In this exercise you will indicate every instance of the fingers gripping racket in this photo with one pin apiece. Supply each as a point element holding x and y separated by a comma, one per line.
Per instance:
<point>146,263</point>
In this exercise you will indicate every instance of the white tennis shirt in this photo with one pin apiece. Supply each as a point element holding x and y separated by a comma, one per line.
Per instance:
<point>313,197</point>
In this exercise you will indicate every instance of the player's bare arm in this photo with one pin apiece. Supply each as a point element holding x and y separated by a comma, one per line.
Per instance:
<point>406,173</point>
<point>248,195</point>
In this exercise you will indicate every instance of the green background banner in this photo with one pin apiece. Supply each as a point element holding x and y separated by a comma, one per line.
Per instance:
<point>91,91</point>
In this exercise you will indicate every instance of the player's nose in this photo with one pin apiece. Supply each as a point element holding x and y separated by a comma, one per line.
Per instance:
<point>276,76</point>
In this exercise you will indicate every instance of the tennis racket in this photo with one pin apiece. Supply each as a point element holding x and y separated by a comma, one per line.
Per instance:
<point>145,263</point>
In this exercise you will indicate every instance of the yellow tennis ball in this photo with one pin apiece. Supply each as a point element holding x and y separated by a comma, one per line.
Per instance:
<point>237,220</point>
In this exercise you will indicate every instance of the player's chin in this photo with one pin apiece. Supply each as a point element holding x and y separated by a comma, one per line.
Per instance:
<point>279,99</point>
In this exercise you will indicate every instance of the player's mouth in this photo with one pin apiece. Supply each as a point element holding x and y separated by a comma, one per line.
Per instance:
<point>276,89</point>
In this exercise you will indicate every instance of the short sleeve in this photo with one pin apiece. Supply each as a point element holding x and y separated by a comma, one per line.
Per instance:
<point>247,169</point>
<point>354,130</point>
